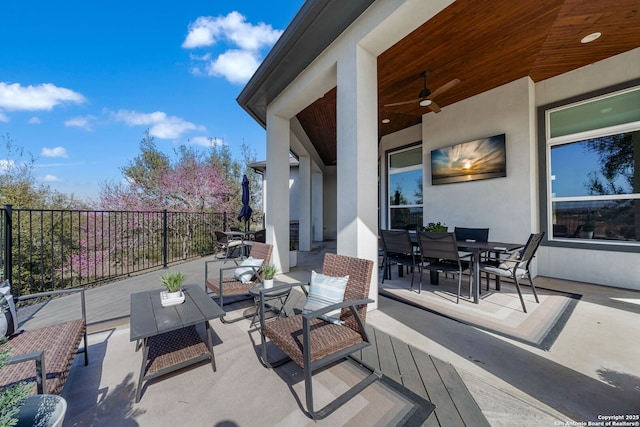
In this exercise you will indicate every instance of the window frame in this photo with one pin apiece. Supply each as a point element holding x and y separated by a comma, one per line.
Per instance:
<point>545,143</point>
<point>388,174</point>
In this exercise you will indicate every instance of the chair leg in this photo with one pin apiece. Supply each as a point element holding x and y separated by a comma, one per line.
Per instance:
<point>515,279</point>
<point>343,398</point>
<point>533,287</point>
<point>384,268</point>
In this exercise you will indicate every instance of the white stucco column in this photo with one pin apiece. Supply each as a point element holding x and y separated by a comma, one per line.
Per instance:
<point>317,203</point>
<point>357,150</point>
<point>277,192</point>
<point>304,203</point>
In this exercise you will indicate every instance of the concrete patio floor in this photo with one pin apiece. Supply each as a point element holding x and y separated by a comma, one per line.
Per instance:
<point>591,370</point>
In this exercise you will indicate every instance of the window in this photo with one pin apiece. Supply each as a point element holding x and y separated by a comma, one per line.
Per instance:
<point>593,171</point>
<point>405,187</point>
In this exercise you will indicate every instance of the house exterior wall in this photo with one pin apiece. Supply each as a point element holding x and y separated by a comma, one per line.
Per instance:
<point>619,269</point>
<point>510,206</point>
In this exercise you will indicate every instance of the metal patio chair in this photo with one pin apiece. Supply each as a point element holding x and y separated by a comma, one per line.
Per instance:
<point>227,244</point>
<point>314,343</point>
<point>397,249</point>
<point>439,252</point>
<point>516,266</point>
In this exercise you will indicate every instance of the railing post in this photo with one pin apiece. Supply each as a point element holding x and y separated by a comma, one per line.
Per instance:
<point>165,240</point>
<point>8,258</point>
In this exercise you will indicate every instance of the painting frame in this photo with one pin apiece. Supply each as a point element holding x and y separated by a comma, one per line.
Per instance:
<point>479,159</point>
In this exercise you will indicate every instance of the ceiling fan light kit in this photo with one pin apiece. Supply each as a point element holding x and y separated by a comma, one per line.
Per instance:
<point>425,98</point>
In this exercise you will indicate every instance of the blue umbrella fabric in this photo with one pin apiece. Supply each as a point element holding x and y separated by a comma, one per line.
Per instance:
<point>246,209</point>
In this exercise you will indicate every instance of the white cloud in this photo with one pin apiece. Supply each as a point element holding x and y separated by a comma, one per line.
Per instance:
<point>34,121</point>
<point>5,165</point>
<point>160,125</point>
<point>244,40</point>
<point>85,123</point>
<point>206,141</point>
<point>15,97</point>
<point>54,152</point>
<point>237,66</point>
<point>3,117</point>
<point>50,178</point>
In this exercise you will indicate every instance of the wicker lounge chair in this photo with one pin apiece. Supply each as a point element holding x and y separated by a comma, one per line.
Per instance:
<point>43,357</point>
<point>314,343</point>
<point>228,285</point>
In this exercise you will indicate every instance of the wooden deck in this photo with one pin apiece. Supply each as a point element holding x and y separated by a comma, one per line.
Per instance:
<point>428,377</point>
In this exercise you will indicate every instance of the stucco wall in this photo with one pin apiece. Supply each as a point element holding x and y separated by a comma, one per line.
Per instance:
<point>329,207</point>
<point>505,204</point>
<point>620,269</point>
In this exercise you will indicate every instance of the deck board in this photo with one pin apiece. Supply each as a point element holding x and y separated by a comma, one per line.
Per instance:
<point>427,376</point>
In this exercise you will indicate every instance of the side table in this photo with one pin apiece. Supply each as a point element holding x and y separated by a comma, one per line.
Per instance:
<point>279,292</point>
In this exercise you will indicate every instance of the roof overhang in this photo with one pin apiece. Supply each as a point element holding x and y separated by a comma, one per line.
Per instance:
<point>313,29</point>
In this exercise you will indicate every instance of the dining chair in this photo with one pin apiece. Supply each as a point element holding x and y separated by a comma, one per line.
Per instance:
<point>475,234</point>
<point>439,252</point>
<point>227,245</point>
<point>237,280</point>
<point>397,249</point>
<point>517,266</point>
<point>314,341</point>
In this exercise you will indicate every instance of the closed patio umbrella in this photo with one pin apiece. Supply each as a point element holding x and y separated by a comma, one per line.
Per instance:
<point>246,209</point>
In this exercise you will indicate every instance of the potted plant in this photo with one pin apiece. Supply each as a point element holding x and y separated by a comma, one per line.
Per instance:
<point>173,281</point>
<point>268,271</point>
<point>436,227</point>
<point>293,254</point>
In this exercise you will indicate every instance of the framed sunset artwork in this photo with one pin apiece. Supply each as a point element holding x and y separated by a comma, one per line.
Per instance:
<point>470,161</point>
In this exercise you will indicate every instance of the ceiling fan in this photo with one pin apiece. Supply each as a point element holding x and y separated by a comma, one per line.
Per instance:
<point>425,98</point>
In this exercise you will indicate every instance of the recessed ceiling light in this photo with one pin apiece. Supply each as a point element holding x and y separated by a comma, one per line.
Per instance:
<point>425,102</point>
<point>590,37</point>
<point>385,121</point>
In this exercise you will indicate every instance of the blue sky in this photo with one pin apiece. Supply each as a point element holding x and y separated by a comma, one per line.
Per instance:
<point>80,82</point>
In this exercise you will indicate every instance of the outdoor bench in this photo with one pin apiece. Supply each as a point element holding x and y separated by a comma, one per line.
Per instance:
<point>48,349</point>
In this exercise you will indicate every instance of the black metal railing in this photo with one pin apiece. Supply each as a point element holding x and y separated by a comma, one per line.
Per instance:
<point>45,250</point>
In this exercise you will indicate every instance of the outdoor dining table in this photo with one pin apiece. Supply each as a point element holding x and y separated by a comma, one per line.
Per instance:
<point>476,249</point>
<point>245,236</point>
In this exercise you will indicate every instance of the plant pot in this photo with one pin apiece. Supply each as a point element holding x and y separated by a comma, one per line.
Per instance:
<point>268,283</point>
<point>174,295</point>
<point>42,410</point>
<point>293,258</point>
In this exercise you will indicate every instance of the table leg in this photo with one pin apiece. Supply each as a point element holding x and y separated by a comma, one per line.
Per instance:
<point>145,354</point>
<point>209,337</point>
<point>475,260</point>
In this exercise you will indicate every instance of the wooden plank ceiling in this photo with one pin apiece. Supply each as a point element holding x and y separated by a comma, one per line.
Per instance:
<point>484,44</point>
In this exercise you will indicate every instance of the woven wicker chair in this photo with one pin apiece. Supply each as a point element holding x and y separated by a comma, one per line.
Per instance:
<point>227,285</point>
<point>43,357</point>
<point>313,343</point>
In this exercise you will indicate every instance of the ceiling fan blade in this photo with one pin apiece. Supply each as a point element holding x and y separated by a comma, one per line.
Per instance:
<point>434,107</point>
<point>445,87</point>
<point>395,104</point>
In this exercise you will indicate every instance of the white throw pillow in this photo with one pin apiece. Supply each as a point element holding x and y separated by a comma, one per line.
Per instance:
<point>325,291</point>
<point>510,262</point>
<point>246,271</point>
<point>9,322</point>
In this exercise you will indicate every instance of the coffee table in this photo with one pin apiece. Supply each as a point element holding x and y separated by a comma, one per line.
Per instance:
<point>168,335</point>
